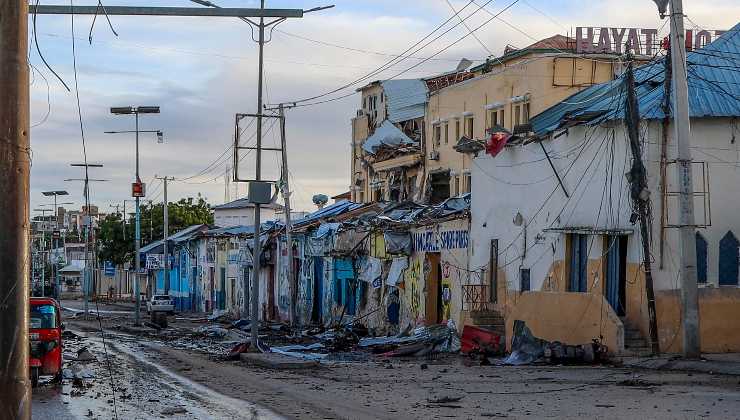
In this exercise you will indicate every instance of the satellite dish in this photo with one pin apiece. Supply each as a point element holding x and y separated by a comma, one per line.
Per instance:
<point>464,64</point>
<point>662,5</point>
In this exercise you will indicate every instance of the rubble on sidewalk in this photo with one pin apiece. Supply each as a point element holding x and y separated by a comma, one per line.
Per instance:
<point>528,349</point>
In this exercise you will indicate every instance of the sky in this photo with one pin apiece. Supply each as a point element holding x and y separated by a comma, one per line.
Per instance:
<point>203,71</point>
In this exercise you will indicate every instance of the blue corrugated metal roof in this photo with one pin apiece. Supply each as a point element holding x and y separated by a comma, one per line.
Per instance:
<point>386,135</point>
<point>714,90</point>
<point>240,230</point>
<point>328,211</point>
<point>405,99</point>
<point>175,237</point>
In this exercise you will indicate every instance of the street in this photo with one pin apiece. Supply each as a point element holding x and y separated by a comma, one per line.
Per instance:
<point>157,380</point>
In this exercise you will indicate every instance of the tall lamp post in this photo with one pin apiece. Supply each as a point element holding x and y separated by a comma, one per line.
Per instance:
<point>55,194</point>
<point>138,190</point>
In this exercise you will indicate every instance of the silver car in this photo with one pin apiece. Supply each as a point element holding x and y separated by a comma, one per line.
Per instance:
<point>160,303</point>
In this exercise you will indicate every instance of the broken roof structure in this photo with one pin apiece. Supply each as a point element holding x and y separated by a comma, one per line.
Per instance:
<point>386,135</point>
<point>405,99</point>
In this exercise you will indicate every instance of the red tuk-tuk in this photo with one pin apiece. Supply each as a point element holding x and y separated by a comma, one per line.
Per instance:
<point>45,336</point>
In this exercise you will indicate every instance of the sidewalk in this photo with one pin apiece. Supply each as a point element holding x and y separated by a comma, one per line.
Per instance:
<point>716,363</point>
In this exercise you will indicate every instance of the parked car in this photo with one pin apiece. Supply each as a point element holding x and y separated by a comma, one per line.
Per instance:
<point>160,303</point>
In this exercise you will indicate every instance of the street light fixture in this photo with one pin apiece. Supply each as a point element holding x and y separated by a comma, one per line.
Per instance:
<point>138,190</point>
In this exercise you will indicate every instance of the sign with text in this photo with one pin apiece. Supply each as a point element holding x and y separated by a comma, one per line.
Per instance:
<point>110,269</point>
<point>431,241</point>
<point>154,261</point>
<point>592,40</point>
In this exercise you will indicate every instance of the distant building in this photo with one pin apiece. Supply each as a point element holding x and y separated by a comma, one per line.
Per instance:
<point>241,213</point>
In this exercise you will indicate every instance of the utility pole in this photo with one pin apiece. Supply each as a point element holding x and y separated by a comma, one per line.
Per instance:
<point>640,197</point>
<point>687,224</point>
<point>15,164</point>
<point>285,187</point>
<point>166,234</point>
<point>55,243</point>
<point>42,245</point>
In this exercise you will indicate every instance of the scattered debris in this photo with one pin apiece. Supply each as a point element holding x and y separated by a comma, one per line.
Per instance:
<point>237,350</point>
<point>444,400</point>
<point>477,340</point>
<point>84,355</point>
<point>526,349</point>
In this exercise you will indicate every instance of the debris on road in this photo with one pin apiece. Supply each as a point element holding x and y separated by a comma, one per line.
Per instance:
<point>527,349</point>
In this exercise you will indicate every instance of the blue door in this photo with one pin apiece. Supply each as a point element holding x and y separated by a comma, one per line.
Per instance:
<point>616,259</point>
<point>222,291</point>
<point>701,258</point>
<point>318,289</point>
<point>728,255</point>
<point>578,262</point>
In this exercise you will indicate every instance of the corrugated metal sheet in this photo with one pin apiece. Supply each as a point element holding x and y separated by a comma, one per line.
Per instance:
<point>328,211</point>
<point>386,135</point>
<point>405,99</point>
<point>714,90</point>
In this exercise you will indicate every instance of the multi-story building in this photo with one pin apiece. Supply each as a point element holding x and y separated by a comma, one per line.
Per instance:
<point>388,141</point>
<point>406,132</point>
<point>502,94</point>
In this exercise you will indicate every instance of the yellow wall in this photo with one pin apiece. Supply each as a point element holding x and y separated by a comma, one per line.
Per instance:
<point>532,74</point>
<point>719,320</point>
<point>572,318</point>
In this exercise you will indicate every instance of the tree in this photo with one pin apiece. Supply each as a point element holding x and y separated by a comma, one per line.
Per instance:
<point>181,214</point>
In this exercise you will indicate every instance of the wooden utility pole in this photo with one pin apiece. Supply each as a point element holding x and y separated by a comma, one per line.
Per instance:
<point>15,397</point>
<point>640,197</point>
<point>285,186</point>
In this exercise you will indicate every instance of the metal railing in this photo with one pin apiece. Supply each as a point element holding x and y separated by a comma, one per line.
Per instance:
<point>477,297</point>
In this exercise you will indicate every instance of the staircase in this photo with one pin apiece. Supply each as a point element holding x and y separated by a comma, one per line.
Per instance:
<point>490,320</point>
<point>635,344</point>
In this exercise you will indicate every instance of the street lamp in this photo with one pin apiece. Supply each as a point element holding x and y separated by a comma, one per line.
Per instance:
<point>137,191</point>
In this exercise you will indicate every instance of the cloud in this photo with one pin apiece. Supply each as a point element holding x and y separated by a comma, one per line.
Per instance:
<point>204,71</point>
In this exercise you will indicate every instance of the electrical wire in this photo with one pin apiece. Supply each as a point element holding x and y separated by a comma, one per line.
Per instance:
<point>87,195</point>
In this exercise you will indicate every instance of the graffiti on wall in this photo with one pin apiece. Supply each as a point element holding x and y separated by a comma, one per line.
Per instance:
<point>446,289</point>
<point>412,278</point>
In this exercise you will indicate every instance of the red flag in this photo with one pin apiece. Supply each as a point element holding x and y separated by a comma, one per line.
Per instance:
<point>496,142</point>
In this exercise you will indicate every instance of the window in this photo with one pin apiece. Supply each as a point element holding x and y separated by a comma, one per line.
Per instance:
<point>378,195</point>
<point>701,258</point>
<point>447,133</point>
<point>525,113</point>
<point>578,250</point>
<point>467,183</point>
<point>456,186</point>
<point>364,102</point>
<point>43,316</point>
<point>469,127</point>
<point>728,260</point>
<point>501,118</point>
<point>457,130</point>
<point>494,119</point>
<point>517,114</point>
<point>437,134</point>
<point>524,284</point>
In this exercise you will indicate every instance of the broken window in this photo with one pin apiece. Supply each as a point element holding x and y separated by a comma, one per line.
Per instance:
<point>437,134</point>
<point>456,188</point>
<point>440,187</point>
<point>467,183</point>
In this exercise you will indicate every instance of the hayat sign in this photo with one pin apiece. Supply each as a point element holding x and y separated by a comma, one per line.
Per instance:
<point>639,41</point>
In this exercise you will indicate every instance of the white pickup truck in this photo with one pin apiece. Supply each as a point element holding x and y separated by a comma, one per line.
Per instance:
<point>160,303</point>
